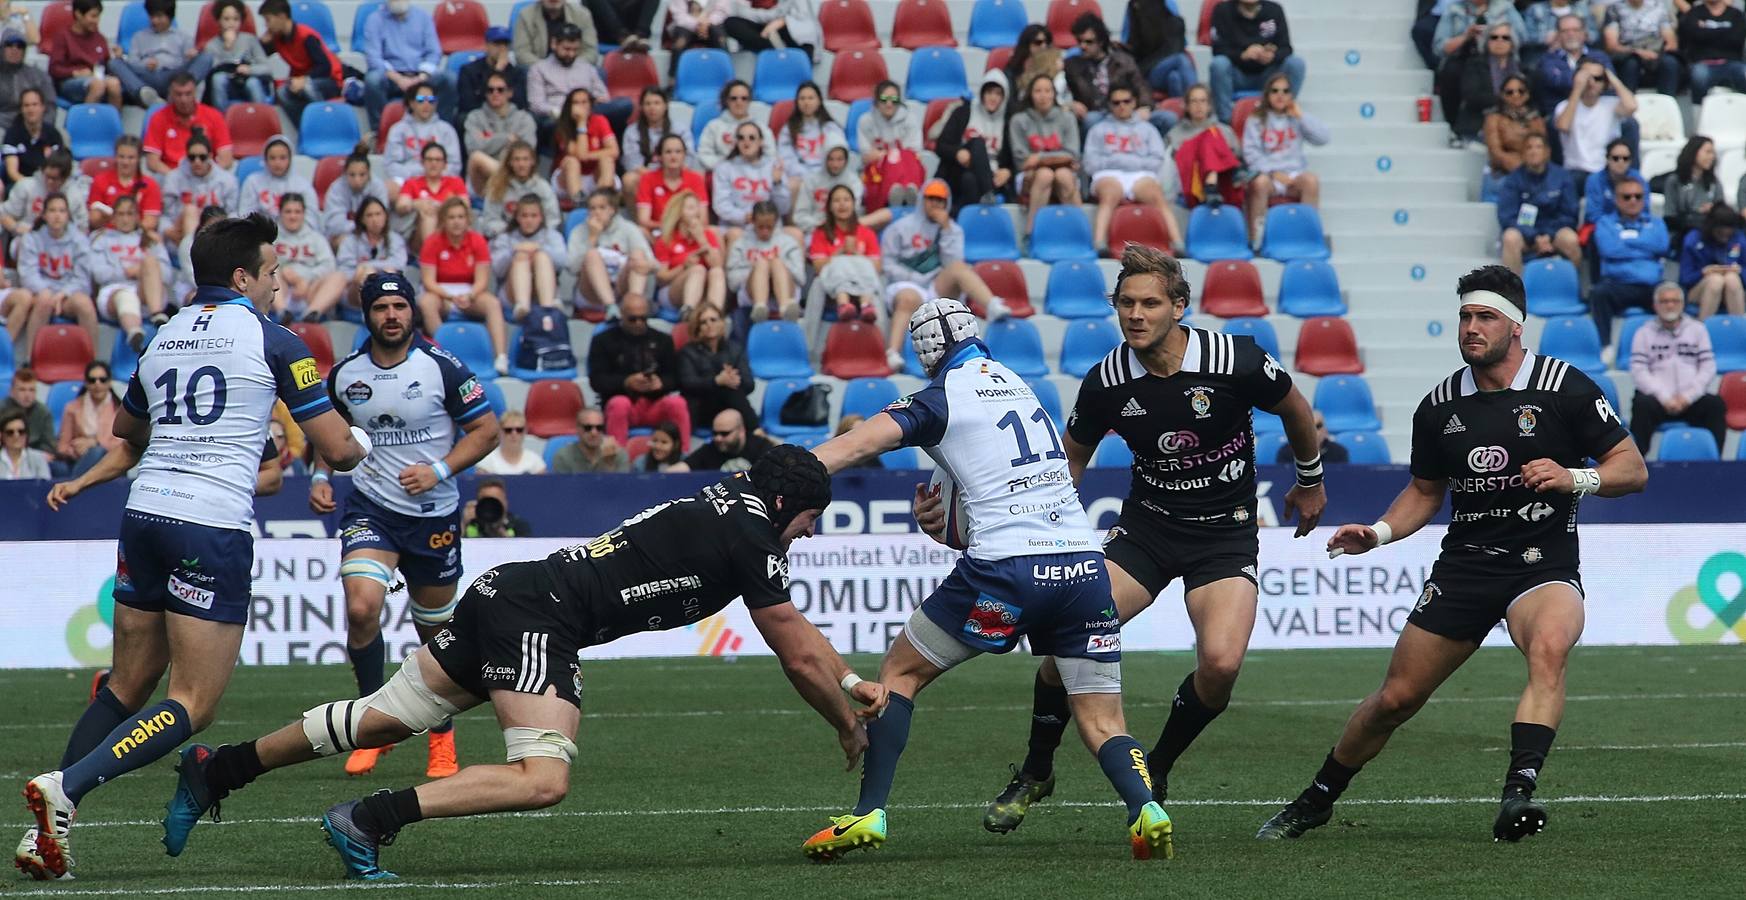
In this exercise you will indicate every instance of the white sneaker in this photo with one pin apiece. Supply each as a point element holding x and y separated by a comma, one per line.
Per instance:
<point>894,359</point>
<point>501,364</point>
<point>29,861</point>
<point>997,309</point>
<point>149,97</point>
<point>44,796</point>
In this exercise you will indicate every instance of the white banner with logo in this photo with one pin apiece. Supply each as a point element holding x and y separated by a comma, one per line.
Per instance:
<point>1647,584</point>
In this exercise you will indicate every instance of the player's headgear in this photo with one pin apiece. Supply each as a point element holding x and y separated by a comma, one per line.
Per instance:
<point>794,474</point>
<point>385,284</point>
<point>936,326</point>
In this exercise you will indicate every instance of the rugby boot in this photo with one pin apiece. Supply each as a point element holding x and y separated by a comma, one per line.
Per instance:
<point>54,819</point>
<point>29,861</point>
<point>1149,833</point>
<point>1007,811</point>
<point>1295,819</point>
<point>359,848</point>
<point>98,680</point>
<point>846,833</point>
<point>191,800</point>
<point>442,762</point>
<point>1519,816</point>
<point>361,762</point>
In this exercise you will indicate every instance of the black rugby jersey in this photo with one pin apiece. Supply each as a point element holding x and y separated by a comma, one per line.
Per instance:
<point>1191,434</point>
<point>1479,440</point>
<point>674,564</point>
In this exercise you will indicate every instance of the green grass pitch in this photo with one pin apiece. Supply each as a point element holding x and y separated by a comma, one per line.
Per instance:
<point>700,777</point>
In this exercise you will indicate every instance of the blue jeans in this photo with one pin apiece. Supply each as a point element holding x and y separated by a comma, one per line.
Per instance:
<point>227,90</point>
<point>1174,75</point>
<point>314,89</point>
<point>1631,70</point>
<point>134,76</point>
<point>73,89</point>
<point>1721,74</point>
<point>1226,80</point>
<point>379,91</point>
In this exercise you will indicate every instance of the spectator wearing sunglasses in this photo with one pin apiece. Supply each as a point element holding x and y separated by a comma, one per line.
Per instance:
<point>593,451</point>
<point>87,422</point>
<point>1460,37</point>
<point>718,138</point>
<point>1273,149</point>
<point>1631,244</point>
<point>1101,68</point>
<point>407,139</point>
<point>1251,44</point>
<point>511,456</point>
<point>18,460</point>
<point>1597,195</point>
<point>1589,119</point>
<point>1482,79</point>
<point>1507,126</point>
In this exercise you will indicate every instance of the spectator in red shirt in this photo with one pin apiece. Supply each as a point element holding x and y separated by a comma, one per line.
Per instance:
<point>587,154</point>
<point>666,180</point>
<point>456,262</point>
<point>315,71</point>
<point>845,254</point>
<point>76,54</point>
<point>125,178</point>
<point>420,199</point>
<point>166,135</point>
<point>689,255</point>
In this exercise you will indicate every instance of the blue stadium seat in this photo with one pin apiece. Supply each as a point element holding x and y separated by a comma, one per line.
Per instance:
<point>318,17</point>
<point>901,459</point>
<point>810,439</point>
<point>997,23</point>
<point>1627,333</point>
<point>92,129</point>
<point>1112,453</point>
<point>515,13</point>
<point>701,115</point>
<point>1611,392</point>
<point>574,218</point>
<point>1294,231</point>
<point>1259,329</point>
<point>1061,232</point>
<point>122,360</point>
<point>1310,287</point>
<point>1267,447</point>
<point>1086,343</point>
<point>458,60</point>
<point>247,166</point>
<point>778,74</point>
<point>7,364</point>
<point>912,363</point>
<point>1728,337</point>
<point>1552,288</point>
<point>1346,403</point>
<point>1077,291</point>
<point>1365,447</point>
<point>327,129</point>
<point>936,73</point>
<point>988,233</point>
<point>1049,399</point>
<point>702,72</point>
<point>1682,443</point>
<point>528,375</point>
<point>494,396</point>
<point>361,18</point>
<point>60,394</point>
<point>852,122</point>
<point>1575,340</point>
<point>470,342</point>
<point>1016,343</point>
<point>1265,422</point>
<point>133,18</point>
<point>778,350</point>
<point>865,397</point>
<point>554,444</point>
<point>775,392</point>
<point>1217,232</point>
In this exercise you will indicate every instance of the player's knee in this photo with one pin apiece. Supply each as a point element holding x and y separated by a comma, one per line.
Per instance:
<point>1547,659</point>
<point>1218,671</point>
<point>1395,704</point>
<point>546,785</point>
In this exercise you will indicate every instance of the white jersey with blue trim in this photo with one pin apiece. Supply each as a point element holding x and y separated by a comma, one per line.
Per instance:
<point>206,385</point>
<point>410,411</point>
<point>984,427</point>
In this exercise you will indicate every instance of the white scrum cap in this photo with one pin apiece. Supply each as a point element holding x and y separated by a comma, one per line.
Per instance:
<point>939,324</point>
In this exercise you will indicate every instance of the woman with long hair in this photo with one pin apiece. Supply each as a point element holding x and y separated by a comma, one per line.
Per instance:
<point>642,137</point>
<point>456,262</point>
<point>690,255</point>
<point>30,138</point>
<point>87,422</point>
<point>54,274</point>
<point>1692,189</point>
<point>517,177</point>
<point>1709,264</point>
<point>749,176</point>
<point>845,254</point>
<point>1273,149</point>
<point>524,259</point>
<point>311,283</point>
<point>765,268</point>
<point>1507,126</point>
<point>420,199</point>
<point>370,247</point>
<point>1483,77</point>
<point>1034,38</point>
<point>807,135</point>
<point>1045,148</point>
<point>357,183</point>
<point>662,182</point>
<point>714,372</point>
<point>664,454</point>
<point>585,148</point>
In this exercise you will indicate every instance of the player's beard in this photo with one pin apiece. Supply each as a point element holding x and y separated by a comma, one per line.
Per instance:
<point>1492,355</point>
<point>385,343</point>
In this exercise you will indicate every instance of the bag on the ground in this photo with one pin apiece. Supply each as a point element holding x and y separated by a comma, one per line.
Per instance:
<point>545,342</point>
<point>809,406</point>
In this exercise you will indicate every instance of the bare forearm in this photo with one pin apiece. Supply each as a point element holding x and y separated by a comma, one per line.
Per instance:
<point>1300,425</point>
<point>1412,510</point>
<point>473,446</point>
<point>816,676</point>
<point>1621,474</point>
<point>114,464</point>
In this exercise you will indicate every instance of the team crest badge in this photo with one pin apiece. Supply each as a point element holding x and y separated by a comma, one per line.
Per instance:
<point>1532,555</point>
<point>1431,591</point>
<point>1240,514</point>
<point>1526,420</point>
<point>1200,400</point>
<point>358,393</point>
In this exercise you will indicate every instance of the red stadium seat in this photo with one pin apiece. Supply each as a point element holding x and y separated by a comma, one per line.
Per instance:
<point>207,29</point>
<point>1007,281</point>
<point>1174,104</point>
<point>252,125</point>
<point>855,73</point>
<point>628,73</point>
<point>1061,16</point>
<point>636,446</point>
<point>1232,290</point>
<point>55,19</point>
<point>1734,396</point>
<point>328,169</point>
<point>1203,34</point>
<point>461,24</point>
<point>855,350</point>
<point>779,113</point>
<point>552,405</point>
<point>937,108</point>
<point>848,25</point>
<point>320,343</point>
<point>1240,111</point>
<point>1143,225</point>
<point>393,112</point>
<point>93,165</point>
<point>681,335</point>
<point>922,23</point>
<point>1327,346</point>
<point>61,352</point>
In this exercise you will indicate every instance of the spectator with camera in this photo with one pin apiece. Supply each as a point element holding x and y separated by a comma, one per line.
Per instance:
<point>487,515</point>
<point>1461,36</point>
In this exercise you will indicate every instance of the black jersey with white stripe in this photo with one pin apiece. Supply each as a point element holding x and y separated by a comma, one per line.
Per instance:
<point>674,564</point>
<point>1478,442</point>
<point>1191,434</point>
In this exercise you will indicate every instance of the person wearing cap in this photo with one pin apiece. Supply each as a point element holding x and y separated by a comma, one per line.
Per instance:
<point>922,257</point>
<point>472,82</point>
<point>1630,243</point>
<point>402,49</point>
<point>550,81</point>
<point>17,76</point>
<point>538,24</point>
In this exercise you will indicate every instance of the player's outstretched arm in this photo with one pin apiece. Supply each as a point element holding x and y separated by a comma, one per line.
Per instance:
<point>1408,513</point>
<point>819,673</point>
<point>335,442</point>
<point>134,432</point>
<point>1619,471</point>
<point>1307,497</point>
<point>864,441</point>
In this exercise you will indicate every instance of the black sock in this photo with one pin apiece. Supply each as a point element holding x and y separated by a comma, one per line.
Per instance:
<point>1329,783</point>
<point>447,726</point>
<point>386,812</point>
<point>232,767</point>
<point>1049,716</point>
<point>1188,718</point>
<point>1529,744</point>
<point>368,663</point>
<point>100,717</point>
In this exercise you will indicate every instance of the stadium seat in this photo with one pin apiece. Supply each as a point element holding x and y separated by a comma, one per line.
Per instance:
<point>865,397</point>
<point>1658,161</point>
<point>911,363</point>
<point>936,73</point>
<point>328,169</point>
<point>329,129</point>
<point>1112,453</point>
<point>854,74</point>
<point>1140,224</point>
<point>7,363</point>
<point>1077,290</point>
<point>461,24</point>
<point>1007,281</point>
<point>900,460</point>
<point>471,343</point>
<point>1266,423</point>
<point>780,112</point>
<point>1575,340</point>
<point>1016,343</point>
<point>319,18</point>
<point>777,74</point>
<point>1293,232</point>
<point>997,59</point>
<point>552,407</point>
<point>1346,404</point>
<point>1728,337</point>
<point>1061,232</point>
<point>988,233</point>
<point>133,18</point>
<point>60,394</point>
<point>573,219</point>
<point>997,23</point>
<point>1659,122</point>
<point>937,109</point>
<point>1217,233</point>
<point>1552,288</point>
<point>494,396</point>
<point>1731,168</point>
<point>93,166</point>
<point>391,113</point>
<point>1365,448</point>
<point>1627,333</point>
<point>1259,329</point>
<point>1232,290</point>
<point>92,129</point>
<point>702,72</point>
<point>1203,31</point>
<point>628,73</point>
<point>1723,119</point>
<point>360,19</point>
<point>1085,344</point>
<point>1060,19</point>
<point>848,25</point>
<point>1049,398</point>
<point>459,59</point>
<point>701,115</point>
<point>248,165</point>
<point>251,126</point>
<point>778,350</point>
<point>515,12</point>
<point>1327,346</point>
<point>320,344</point>
<point>61,352</point>
<point>122,360</point>
<point>922,23</point>
<point>775,393</point>
<point>558,442</point>
<point>1733,391</point>
<point>1310,287</point>
<point>854,350</point>
<point>57,15</point>
<point>1240,112</point>
<point>1685,443</point>
<point>1267,447</point>
<point>636,446</point>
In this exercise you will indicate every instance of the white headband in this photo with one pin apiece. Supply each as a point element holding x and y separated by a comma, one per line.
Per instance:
<point>1494,300</point>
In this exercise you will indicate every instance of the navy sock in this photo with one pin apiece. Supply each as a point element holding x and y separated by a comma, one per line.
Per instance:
<point>143,738</point>
<point>1049,717</point>
<point>447,726</point>
<point>886,737</point>
<point>1124,764</point>
<point>94,724</point>
<point>368,662</point>
<point>1188,718</point>
<point>1529,744</point>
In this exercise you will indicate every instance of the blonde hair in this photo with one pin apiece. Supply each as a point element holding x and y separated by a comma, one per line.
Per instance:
<point>453,202</point>
<point>675,209</point>
<point>498,184</point>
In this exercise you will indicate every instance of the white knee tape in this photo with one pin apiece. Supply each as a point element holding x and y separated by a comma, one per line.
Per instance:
<point>1088,676</point>
<point>369,570</point>
<point>126,302</point>
<point>525,742</point>
<point>332,727</point>
<point>437,616</point>
<point>934,643</point>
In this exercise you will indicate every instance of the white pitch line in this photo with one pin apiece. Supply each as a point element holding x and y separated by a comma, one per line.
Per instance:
<point>288,888</point>
<point>1696,746</point>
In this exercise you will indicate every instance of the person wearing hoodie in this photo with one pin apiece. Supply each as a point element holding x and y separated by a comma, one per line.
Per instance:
<point>717,140</point>
<point>524,259</point>
<point>1125,155</point>
<point>809,201</point>
<point>642,137</point>
<point>24,202</point>
<point>765,267</point>
<point>807,134</point>
<point>491,128</point>
<point>260,192</point>
<point>239,63</point>
<point>196,183</point>
<point>518,176</point>
<point>310,281</point>
<point>370,247</point>
<point>610,256</point>
<point>339,209</point>
<point>1273,142</point>
<point>54,274</point>
<point>408,137</point>
<point>747,177</point>
<point>1045,148</point>
<point>922,257</point>
<point>972,147</point>
<point>889,125</point>
<point>17,76</point>
<point>133,273</point>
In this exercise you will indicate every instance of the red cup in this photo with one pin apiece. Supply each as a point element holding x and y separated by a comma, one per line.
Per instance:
<point>1424,109</point>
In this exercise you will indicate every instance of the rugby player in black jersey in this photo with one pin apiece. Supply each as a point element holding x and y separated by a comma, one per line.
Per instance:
<point>1509,438</point>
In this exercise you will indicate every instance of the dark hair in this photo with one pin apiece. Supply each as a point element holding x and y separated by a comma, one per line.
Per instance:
<point>491,481</point>
<point>439,147</point>
<point>1497,279</point>
<point>129,140</point>
<point>292,197</point>
<point>654,463</point>
<point>1529,88</point>
<point>161,8</point>
<point>888,83</point>
<point>359,154</point>
<point>1021,50</point>
<point>210,214</point>
<point>565,130</point>
<point>274,8</point>
<point>120,199</point>
<point>734,152</point>
<point>98,364</point>
<point>223,247</point>
<point>1138,259</point>
<point>794,474</point>
<point>611,196</point>
<point>46,118</point>
<point>532,200</point>
<point>830,222</point>
<point>50,197</point>
<point>1720,216</point>
<point>15,414</point>
<point>764,208</point>
<point>1094,23</point>
<point>1619,142</point>
<point>61,159</point>
<point>197,136</point>
<point>721,96</point>
<point>413,89</point>
<point>643,124</point>
<point>220,6</point>
<point>81,7</point>
<point>796,122</point>
<point>1688,161</point>
<point>358,216</point>
<point>661,145</point>
<point>1535,136</point>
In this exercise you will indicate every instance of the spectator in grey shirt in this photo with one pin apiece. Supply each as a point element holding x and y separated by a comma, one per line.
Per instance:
<point>155,54</point>
<point>239,62</point>
<point>16,76</point>
<point>491,128</point>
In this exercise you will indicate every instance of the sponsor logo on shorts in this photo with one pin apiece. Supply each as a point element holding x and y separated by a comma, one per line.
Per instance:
<point>190,594</point>
<point>1114,532</point>
<point>1083,570</point>
<point>142,729</point>
<point>305,374</point>
<point>123,581</point>
<point>1488,459</point>
<point>1240,514</point>
<point>497,673</point>
<point>441,539</point>
<point>1104,643</point>
<point>1250,571</point>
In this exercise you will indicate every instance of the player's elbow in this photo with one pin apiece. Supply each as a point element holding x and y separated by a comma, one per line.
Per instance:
<point>1635,476</point>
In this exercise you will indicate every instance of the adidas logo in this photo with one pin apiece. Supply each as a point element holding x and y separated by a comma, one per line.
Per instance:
<point>1530,774</point>
<point>1133,408</point>
<point>1454,426</point>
